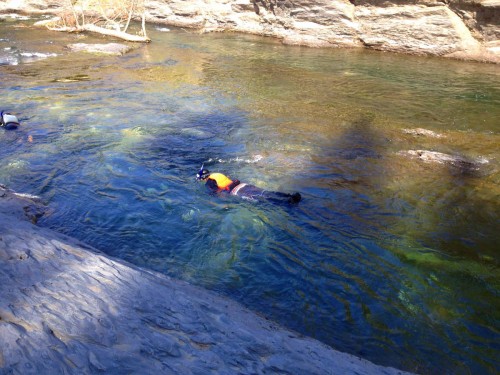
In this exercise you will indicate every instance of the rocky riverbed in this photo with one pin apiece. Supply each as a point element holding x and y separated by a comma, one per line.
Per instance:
<point>463,29</point>
<point>67,308</point>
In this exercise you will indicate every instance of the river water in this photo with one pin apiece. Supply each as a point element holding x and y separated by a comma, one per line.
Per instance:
<point>387,257</point>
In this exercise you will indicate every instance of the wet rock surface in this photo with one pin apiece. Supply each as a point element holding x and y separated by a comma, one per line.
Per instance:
<point>104,48</point>
<point>67,308</point>
<point>439,157</point>
<point>423,132</point>
<point>21,206</point>
<point>462,29</point>
<point>461,164</point>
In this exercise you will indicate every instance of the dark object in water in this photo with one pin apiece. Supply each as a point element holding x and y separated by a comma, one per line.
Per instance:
<point>8,121</point>
<point>254,193</point>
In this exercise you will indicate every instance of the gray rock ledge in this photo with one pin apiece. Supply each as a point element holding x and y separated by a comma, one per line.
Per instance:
<point>67,308</point>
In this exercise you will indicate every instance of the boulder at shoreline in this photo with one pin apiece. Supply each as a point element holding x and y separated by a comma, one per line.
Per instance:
<point>459,29</point>
<point>67,308</point>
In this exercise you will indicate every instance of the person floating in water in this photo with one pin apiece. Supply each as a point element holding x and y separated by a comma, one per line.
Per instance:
<point>8,121</point>
<point>217,182</point>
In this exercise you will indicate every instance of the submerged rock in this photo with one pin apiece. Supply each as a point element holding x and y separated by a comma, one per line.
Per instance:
<point>107,49</point>
<point>74,78</point>
<point>21,205</point>
<point>14,56</point>
<point>466,165</point>
<point>423,132</point>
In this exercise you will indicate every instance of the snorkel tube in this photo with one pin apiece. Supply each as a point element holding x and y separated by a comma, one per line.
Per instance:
<point>8,121</point>
<point>200,173</point>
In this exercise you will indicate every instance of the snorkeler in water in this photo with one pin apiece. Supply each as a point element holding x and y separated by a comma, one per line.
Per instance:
<point>217,182</point>
<point>8,120</point>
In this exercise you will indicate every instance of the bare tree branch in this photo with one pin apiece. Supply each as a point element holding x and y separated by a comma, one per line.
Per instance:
<point>99,15</point>
<point>117,34</point>
<point>130,13</point>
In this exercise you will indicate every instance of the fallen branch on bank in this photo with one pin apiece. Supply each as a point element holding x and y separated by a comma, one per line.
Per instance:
<point>52,25</point>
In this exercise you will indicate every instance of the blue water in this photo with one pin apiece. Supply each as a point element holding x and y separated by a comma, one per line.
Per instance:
<point>386,257</point>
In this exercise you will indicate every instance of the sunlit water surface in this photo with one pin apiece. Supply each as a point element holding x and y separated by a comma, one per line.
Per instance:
<point>386,257</point>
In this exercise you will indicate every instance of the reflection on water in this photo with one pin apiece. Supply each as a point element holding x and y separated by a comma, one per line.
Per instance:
<point>387,257</point>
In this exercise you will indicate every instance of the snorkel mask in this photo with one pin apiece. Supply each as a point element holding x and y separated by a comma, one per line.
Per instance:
<point>8,121</point>
<point>202,173</point>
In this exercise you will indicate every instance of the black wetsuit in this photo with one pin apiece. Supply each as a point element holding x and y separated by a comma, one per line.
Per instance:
<point>255,193</point>
<point>250,192</point>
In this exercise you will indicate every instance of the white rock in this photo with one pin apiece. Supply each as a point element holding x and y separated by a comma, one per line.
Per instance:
<point>423,132</point>
<point>106,48</point>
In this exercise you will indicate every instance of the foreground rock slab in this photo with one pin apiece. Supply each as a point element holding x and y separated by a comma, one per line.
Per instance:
<point>66,308</point>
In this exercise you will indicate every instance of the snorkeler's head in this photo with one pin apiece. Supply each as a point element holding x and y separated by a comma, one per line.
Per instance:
<point>202,174</point>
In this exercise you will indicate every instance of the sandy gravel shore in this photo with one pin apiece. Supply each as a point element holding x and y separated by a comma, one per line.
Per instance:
<point>66,308</point>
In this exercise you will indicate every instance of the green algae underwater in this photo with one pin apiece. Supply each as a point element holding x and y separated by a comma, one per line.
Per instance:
<point>387,257</point>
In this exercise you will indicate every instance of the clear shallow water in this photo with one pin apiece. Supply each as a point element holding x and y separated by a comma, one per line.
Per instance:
<point>386,257</point>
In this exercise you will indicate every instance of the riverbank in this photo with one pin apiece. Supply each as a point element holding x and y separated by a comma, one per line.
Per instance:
<point>67,308</point>
<point>458,29</point>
